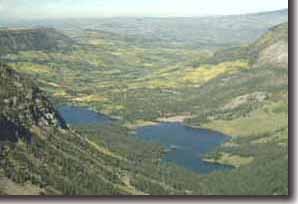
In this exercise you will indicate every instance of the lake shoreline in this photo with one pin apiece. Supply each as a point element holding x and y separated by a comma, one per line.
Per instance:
<point>184,145</point>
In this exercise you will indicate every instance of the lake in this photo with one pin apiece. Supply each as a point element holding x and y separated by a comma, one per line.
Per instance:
<point>184,145</point>
<point>82,116</point>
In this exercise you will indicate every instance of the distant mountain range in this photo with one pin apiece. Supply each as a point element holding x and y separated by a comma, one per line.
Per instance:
<point>196,32</point>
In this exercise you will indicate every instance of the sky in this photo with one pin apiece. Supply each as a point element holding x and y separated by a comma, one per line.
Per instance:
<point>150,8</point>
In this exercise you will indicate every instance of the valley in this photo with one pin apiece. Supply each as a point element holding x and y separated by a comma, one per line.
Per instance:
<point>125,99</point>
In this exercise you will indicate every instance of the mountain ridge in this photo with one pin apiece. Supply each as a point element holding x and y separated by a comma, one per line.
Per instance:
<point>276,37</point>
<point>21,39</point>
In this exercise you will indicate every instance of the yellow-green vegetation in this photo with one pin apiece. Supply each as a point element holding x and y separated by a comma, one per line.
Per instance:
<point>174,77</point>
<point>208,72</point>
<point>105,151</point>
<point>160,84</point>
<point>121,80</point>
<point>89,98</point>
<point>234,160</point>
<point>59,93</point>
<point>139,123</point>
<point>266,125</point>
<point>8,187</point>
<point>31,68</point>
<point>104,77</point>
<point>33,55</point>
<point>279,137</point>
<point>271,117</point>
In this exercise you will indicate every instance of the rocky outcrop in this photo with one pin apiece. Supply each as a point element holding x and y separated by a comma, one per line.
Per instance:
<point>23,105</point>
<point>272,48</point>
<point>275,55</point>
<point>12,132</point>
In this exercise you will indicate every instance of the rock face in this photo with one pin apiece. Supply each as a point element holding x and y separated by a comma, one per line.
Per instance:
<point>13,40</point>
<point>23,105</point>
<point>275,55</point>
<point>272,48</point>
<point>12,132</point>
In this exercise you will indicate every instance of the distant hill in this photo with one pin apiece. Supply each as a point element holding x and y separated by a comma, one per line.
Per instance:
<point>21,39</point>
<point>270,49</point>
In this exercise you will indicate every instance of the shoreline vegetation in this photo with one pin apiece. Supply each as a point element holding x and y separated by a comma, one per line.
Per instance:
<point>171,119</point>
<point>229,159</point>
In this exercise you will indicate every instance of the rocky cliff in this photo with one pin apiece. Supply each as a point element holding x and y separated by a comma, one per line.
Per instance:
<point>23,104</point>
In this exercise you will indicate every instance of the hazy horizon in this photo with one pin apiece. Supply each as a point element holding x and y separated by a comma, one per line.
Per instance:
<point>55,9</point>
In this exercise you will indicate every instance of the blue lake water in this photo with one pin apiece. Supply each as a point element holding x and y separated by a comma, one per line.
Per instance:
<point>185,146</point>
<point>82,116</point>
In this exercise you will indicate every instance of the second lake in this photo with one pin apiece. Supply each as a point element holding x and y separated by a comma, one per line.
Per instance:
<point>186,146</point>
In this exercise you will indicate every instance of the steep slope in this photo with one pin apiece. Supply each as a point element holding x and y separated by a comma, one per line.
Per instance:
<point>19,39</point>
<point>38,151</point>
<point>21,101</point>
